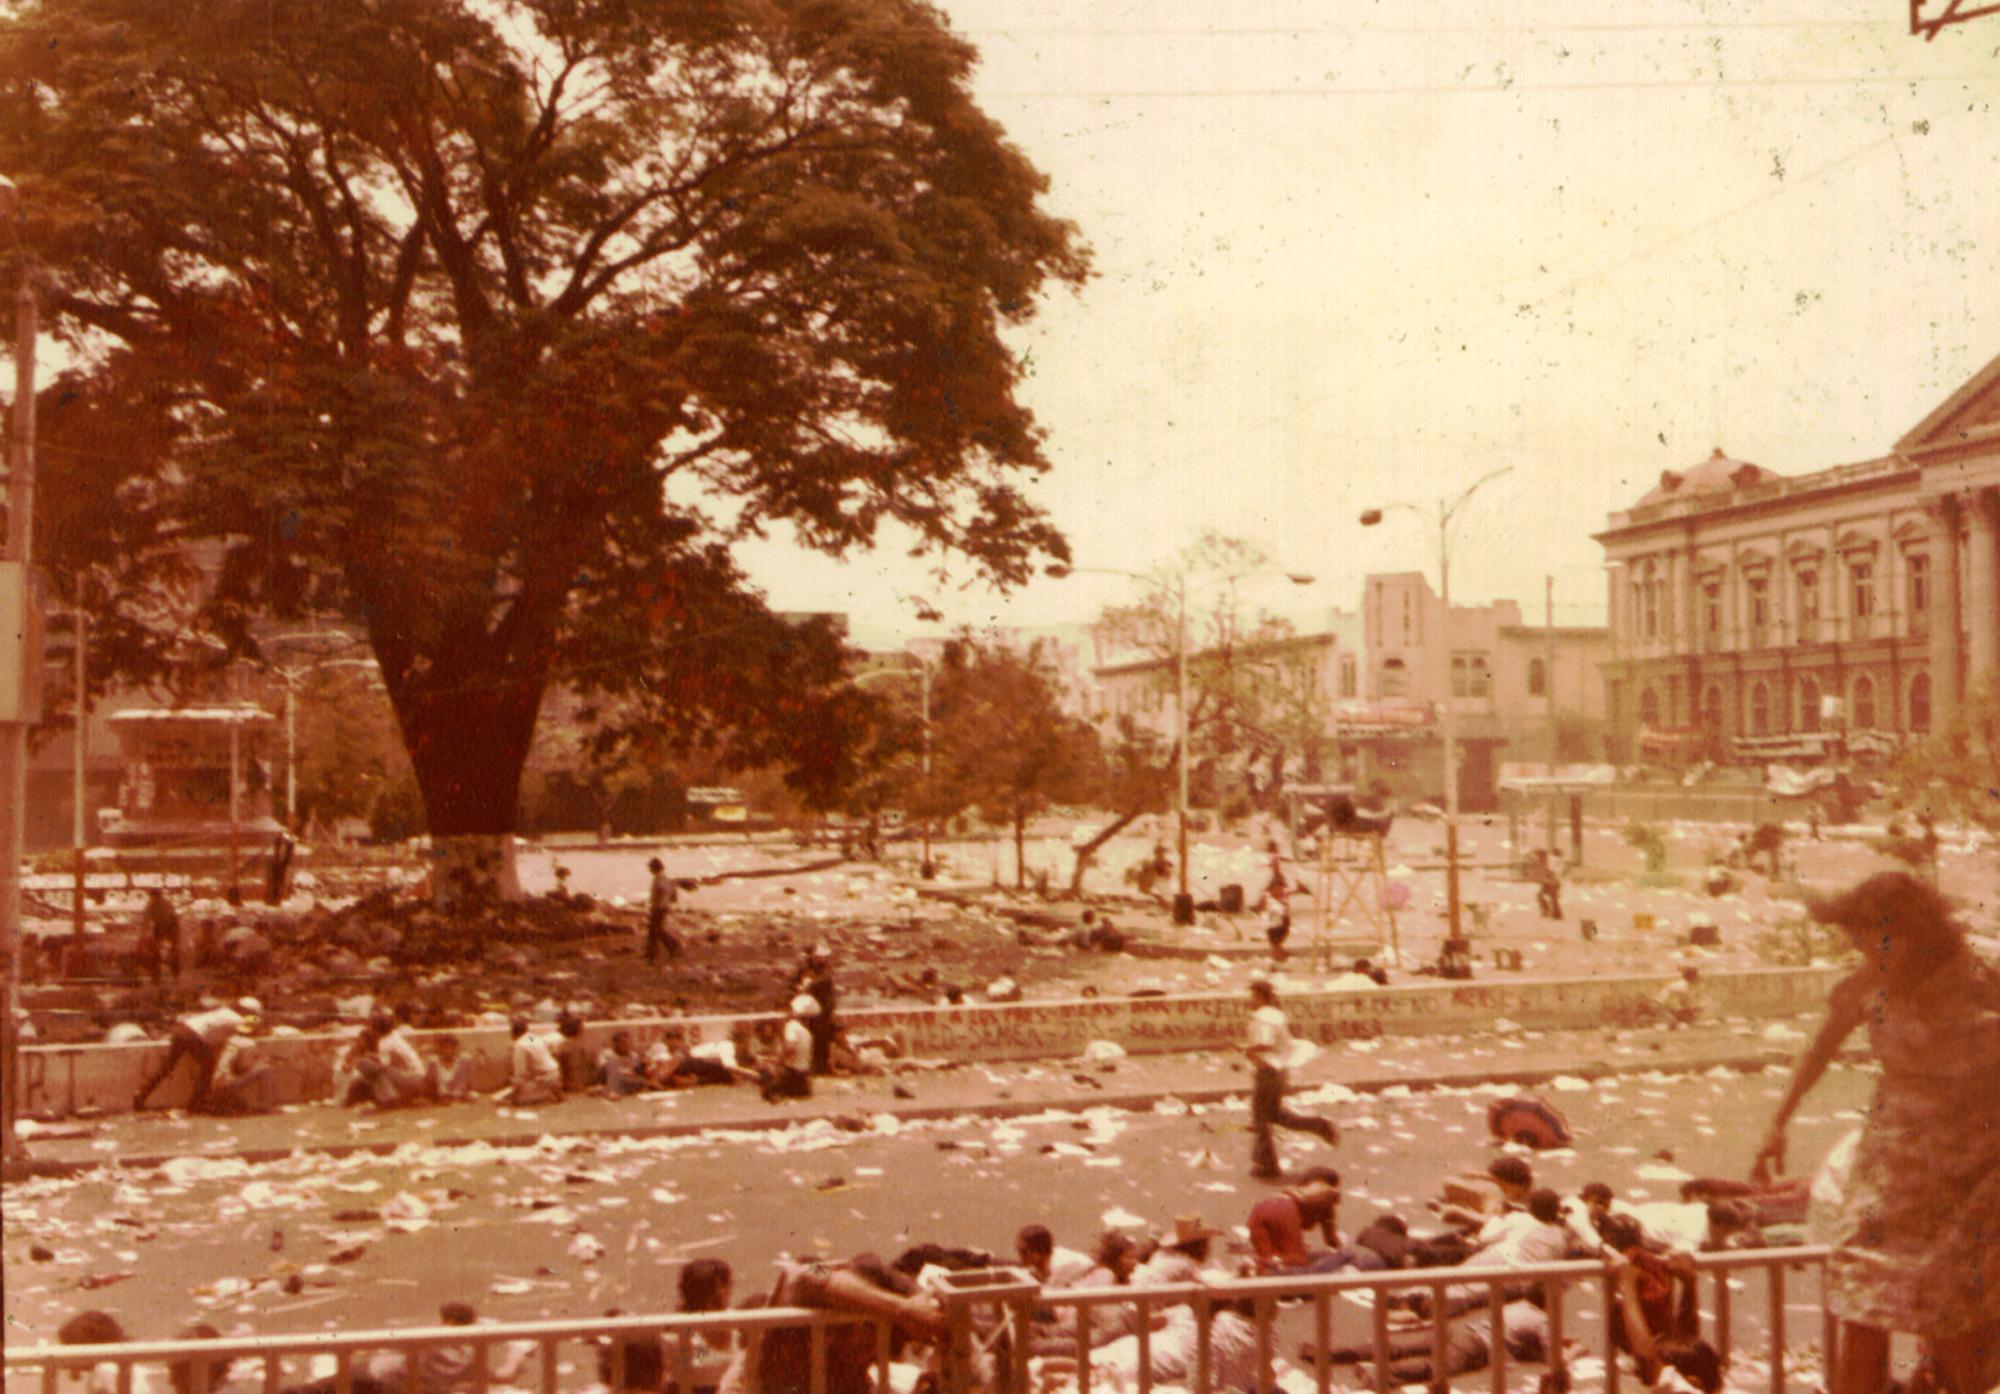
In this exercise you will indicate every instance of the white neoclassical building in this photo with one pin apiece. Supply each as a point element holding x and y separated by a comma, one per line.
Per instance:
<point>1741,599</point>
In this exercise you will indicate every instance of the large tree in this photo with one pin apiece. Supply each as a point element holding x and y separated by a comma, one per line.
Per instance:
<point>494,324</point>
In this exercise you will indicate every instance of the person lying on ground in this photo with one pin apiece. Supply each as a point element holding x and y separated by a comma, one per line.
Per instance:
<point>780,1361</point>
<point>1278,1224</point>
<point>1781,1202</point>
<point>1173,1351</point>
<point>1468,1345</point>
<point>1517,1239</point>
<point>1383,1243</point>
<point>445,1369</point>
<point>1047,1262</point>
<point>1115,1260</point>
<point>535,1078</point>
<point>1696,1227</point>
<point>672,1064</point>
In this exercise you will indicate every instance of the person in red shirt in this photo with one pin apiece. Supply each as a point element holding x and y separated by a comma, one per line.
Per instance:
<point>1278,1225</point>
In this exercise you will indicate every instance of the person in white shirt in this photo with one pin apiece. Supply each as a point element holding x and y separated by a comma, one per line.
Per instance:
<point>243,1082</point>
<point>537,1079</point>
<point>791,1076</point>
<point>1273,1052</point>
<point>1052,1265</point>
<point>1692,1226</point>
<point>199,1037</point>
<point>394,1073</point>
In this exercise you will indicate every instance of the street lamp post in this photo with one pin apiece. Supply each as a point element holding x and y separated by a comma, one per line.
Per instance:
<point>1184,898</point>
<point>16,553</point>
<point>1444,514</point>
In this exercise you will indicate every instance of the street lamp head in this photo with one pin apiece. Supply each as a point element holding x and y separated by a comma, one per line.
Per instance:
<point>1370,517</point>
<point>1059,570</point>
<point>1300,578</point>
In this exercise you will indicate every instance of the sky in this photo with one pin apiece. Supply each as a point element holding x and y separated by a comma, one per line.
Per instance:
<point>1352,253</point>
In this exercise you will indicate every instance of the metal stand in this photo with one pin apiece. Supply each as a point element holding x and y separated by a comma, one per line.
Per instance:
<point>1354,870</point>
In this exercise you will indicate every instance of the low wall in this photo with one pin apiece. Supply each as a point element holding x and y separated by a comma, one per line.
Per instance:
<point>57,1081</point>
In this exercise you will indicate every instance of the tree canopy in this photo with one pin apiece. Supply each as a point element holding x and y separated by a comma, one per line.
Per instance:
<point>493,325</point>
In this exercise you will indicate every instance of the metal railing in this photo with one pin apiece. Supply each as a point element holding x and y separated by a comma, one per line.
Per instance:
<point>986,1315</point>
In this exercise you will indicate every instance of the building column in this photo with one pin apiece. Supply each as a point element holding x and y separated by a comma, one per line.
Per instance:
<point>1981,607</point>
<point>1942,514</point>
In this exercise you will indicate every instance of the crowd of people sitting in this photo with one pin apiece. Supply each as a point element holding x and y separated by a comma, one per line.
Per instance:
<point>1488,1225</point>
<point>386,1064</point>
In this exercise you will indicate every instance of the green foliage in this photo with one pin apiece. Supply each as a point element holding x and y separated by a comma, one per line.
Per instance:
<point>1649,842</point>
<point>1955,774</point>
<point>493,327</point>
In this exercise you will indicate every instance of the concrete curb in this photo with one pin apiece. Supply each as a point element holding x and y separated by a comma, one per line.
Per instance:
<point>28,1169</point>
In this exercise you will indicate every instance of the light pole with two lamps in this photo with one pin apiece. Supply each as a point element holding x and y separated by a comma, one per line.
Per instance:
<point>1444,514</point>
<point>1183,898</point>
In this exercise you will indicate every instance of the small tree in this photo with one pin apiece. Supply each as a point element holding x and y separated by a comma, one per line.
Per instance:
<point>1955,774</point>
<point>1001,741</point>
<point>1135,779</point>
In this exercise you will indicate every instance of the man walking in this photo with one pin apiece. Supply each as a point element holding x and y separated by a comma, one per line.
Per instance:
<point>163,932</point>
<point>658,901</point>
<point>1273,1052</point>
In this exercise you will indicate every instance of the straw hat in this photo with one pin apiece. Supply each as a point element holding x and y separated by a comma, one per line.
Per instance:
<point>1188,1229</point>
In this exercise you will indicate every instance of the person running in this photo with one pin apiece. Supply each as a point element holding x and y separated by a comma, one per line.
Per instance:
<point>1915,1246</point>
<point>199,1037</point>
<point>660,898</point>
<point>1273,1052</point>
<point>1276,901</point>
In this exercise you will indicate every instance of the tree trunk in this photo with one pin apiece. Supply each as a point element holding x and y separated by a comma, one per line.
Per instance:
<point>468,741</point>
<point>1086,853</point>
<point>1020,850</point>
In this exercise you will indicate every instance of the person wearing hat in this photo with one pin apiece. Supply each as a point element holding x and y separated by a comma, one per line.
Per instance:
<point>1914,1246</point>
<point>244,1081</point>
<point>200,1037</point>
<point>1273,1052</point>
<point>1179,1254</point>
<point>791,1075</point>
<point>660,898</point>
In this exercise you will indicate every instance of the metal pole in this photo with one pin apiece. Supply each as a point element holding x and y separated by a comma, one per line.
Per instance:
<point>80,712</point>
<point>1450,735</point>
<point>928,868</point>
<point>19,542</point>
<point>235,785</point>
<point>1549,689</point>
<point>1181,719</point>
<point>291,749</point>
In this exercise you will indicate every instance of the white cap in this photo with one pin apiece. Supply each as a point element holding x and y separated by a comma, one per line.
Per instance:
<point>805,1004</point>
<point>250,1006</point>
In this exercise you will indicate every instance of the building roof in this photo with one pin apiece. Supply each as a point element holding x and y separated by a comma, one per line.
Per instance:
<point>1718,474</point>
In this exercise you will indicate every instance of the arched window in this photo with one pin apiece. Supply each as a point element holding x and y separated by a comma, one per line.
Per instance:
<point>1538,678</point>
<point>1920,702</point>
<point>1394,680</point>
<point>1864,704</point>
<point>1649,709</point>
<point>1711,708</point>
<point>1760,710</point>
<point>1808,705</point>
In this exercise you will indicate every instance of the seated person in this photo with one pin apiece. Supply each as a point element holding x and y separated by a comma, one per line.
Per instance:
<point>534,1076</point>
<point>444,1369</point>
<point>621,1071</point>
<point>449,1072</point>
<point>575,1065</point>
<point>393,1072</point>
<point>244,1082</point>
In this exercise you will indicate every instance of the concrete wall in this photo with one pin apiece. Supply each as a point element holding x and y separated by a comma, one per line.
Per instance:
<point>59,1080</point>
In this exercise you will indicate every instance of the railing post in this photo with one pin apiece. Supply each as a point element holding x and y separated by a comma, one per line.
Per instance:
<point>1496,1339</point>
<point>1323,1339</point>
<point>1612,1376</point>
<point>1725,1326</point>
<point>1777,1279</point>
<point>1204,1354</point>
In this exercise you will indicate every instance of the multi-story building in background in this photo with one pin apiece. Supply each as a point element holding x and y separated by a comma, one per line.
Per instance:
<point>1756,615</point>
<point>1378,678</point>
